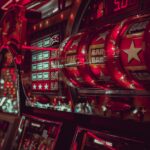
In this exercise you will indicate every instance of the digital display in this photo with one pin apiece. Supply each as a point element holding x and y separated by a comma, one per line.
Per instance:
<point>44,67</point>
<point>44,71</point>
<point>40,74</point>
<point>120,5</point>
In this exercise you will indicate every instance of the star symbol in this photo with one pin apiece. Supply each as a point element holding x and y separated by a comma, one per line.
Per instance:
<point>133,52</point>
<point>46,86</point>
<point>40,86</point>
<point>75,43</point>
<point>113,42</point>
<point>34,86</point>
<point>102,36</point>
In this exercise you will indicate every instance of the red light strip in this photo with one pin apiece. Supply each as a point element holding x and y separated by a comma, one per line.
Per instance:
<point>8,3</point>
<point>32,48</point>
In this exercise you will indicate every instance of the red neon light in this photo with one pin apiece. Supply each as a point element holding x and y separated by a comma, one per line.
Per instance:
<point>38,48</point>
<point>5,6</point>
<point>120,4</point>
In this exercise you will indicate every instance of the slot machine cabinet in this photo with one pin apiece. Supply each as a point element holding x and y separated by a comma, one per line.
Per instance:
<point>9,83</point>
<point>9,101</point>
<point>114,115</point>
<point>40,68</point>
<point>86,139</point>
<point>123,102</point>
<point>8,127</point>
<point>41,75</point>
<point>43,90</point>
<point>127,80</point>
<point>10,38</point>
<point>36,133</point>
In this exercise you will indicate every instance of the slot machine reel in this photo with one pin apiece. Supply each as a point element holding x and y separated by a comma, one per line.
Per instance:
<point>125,53</point>
<point>69,61</point>
<point>77,65</point>
<point>92,59</point>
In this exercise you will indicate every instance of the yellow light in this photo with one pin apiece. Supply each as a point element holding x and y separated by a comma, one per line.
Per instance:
<point>47,22</point>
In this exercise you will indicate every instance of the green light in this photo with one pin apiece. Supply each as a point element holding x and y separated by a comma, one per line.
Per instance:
<point>45,55</point>
<point>34,58</point>
<point>45,75</point>
<point>46,42</point>
<point>34,77</point>
<point>39,66</point>
<point>34,67</point>
<point>39,56</point>
<point>39,76</point>
<point>45,65</point>
<point>40,44</point>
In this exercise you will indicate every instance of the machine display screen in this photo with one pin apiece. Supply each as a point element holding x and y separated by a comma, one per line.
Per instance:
<point>120,5</point>
<point>44,69</point>
<point>41,74</point>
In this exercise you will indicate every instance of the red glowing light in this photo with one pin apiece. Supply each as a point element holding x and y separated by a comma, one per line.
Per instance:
<point>41,25</point>
<point>25,47</point>
<point>72,16</point>
<point>120,4</point>
<point>34,27</point>
<point>47,22</point>
<point>62,16</point>
<point>100,10</point>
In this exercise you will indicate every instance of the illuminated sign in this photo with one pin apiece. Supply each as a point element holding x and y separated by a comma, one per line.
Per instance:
<point>120,5</point>
<point>97,55</point>
<point>44,67</point>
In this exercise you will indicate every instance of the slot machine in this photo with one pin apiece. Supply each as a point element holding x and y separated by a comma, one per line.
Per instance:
<point>105,62</point>
<point>42,90</point>
<point>84,75</point>
<point>9,82</point>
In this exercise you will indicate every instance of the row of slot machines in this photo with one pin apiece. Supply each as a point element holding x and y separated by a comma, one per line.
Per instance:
<point>81,83</point>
